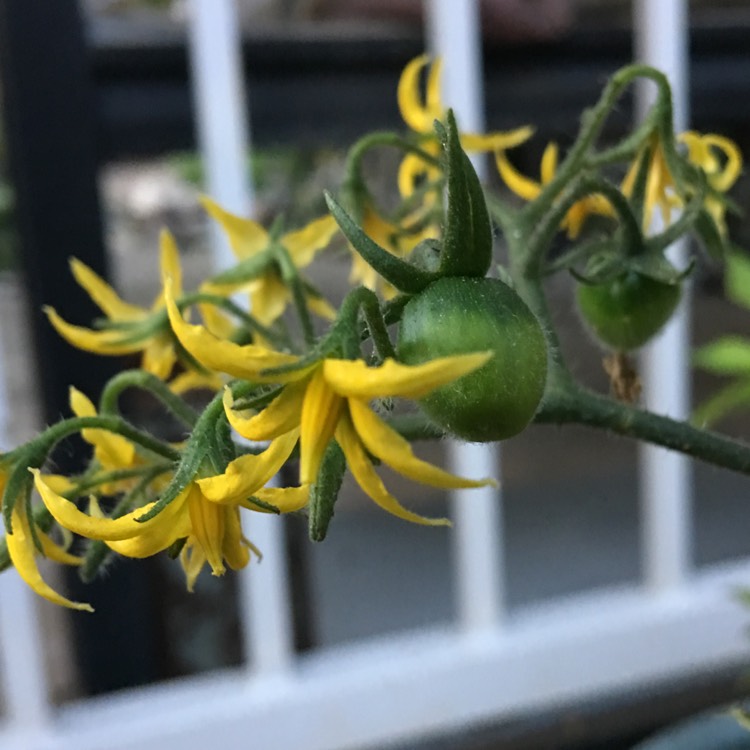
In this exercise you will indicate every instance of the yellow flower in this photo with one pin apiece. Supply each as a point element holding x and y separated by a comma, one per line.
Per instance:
<point>128,328</point>
<point>660,186</point>
<point>420,114</point>
<point>721,169</point>
<point>330,399</point>
<point>269,295</point>
<point>23,551</point>
<point>718,157</point>
<point>205,513</point>
<point>529,190</point>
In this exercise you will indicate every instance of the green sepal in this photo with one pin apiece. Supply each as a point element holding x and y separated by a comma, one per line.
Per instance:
<point>264,505</point>
<point>246,270</point>
<point>710,235</point>
<point>400,274</point>
<point>655,266</point>
<point>467,236</point>
<point>324,492</point>
<point>602,267</point>
<point>193,456</point>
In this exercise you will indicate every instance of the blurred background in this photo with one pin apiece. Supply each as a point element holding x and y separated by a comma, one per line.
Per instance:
<point>98,153</point>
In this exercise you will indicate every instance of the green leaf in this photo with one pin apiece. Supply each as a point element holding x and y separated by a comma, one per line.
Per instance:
<point>734,396</point>
<point>325,491</point>
<point>467,240</point>
<point>405,277</point>
<point>729,355</point>
<point>737,279</point>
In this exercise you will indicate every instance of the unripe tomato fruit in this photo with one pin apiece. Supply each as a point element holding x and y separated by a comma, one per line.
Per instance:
<point>459,315</point>
<point>629,310</point>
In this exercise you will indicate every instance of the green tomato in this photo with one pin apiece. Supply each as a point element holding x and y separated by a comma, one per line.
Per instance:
<point>459,315</point>
<point>629,310</point>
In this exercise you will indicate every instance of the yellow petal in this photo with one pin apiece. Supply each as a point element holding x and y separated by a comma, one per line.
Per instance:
<point>417,115</point>
<point>522,186</point>
<point>353,377</point>
<point>235,548</point>
<point>724,179</point>
<point>284,413</point>
<point>249,473</point>
<point>107,529</point>
<point>169,261</point>
<point>208,525</point>
<point>191,380</point>
<point>269,296</point>
<point>105,297</point>
<point>246,237</point>
<point>55,552</point>
<point>498,141</point>
<point>98,342</point>
<point>23,555</point>
<point>387,445</point>
<point>433,101</point>
<point>370,482</point>
<point>113,451</point>
<point>411,171</point>
<point>321,411</point>
<point>286,499</point>
<point>192,559</point>
<point>303,244</point>
<point>224,356</point>
<point>159,356</point>
<point>549,163</point>
<point>321,307</point>
<point>156,537</point>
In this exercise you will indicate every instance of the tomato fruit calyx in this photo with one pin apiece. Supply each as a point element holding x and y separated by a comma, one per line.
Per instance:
<point>458,315</point>
<point>627,311</point>
<point>466,245</point>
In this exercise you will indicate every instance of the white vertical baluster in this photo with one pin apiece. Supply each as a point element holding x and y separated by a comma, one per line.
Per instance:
<point>665,481</point>
<point>220,108</point>
<point>22,675</point>
<point>454,32</point>
<point>215,50</point>
<point>23,680</point>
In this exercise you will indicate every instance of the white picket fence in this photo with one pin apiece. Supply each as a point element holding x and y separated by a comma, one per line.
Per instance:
<point>485,665</point>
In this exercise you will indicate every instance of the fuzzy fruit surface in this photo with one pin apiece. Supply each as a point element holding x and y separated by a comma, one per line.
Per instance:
<point>458,315</point>
<point>628,311</point>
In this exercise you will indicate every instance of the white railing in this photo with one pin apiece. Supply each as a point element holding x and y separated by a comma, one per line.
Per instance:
<point>486,665</point>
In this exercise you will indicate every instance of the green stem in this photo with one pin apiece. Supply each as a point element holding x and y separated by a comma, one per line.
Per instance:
<point>592,122</point>
<point>580,406</point>
<point>52,435</point>
<point>147,382</point>
<point>291,277</point>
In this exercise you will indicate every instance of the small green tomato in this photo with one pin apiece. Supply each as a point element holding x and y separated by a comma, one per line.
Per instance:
<point>458,315</point>
<point>629,310</point>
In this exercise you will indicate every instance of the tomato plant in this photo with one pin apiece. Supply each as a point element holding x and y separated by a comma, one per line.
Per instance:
<point>457,315</point>
<point>629,310</point>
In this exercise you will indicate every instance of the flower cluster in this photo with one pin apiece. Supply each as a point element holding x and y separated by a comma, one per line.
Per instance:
<point>431,320</point>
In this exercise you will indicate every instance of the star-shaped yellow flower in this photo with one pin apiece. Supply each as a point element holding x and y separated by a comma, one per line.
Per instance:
<point>529,189</point>
<point>128,328</point>
<point>206,513</point>
<point>330,398</point>
<point>269,295</point>
<point>420,114</point>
